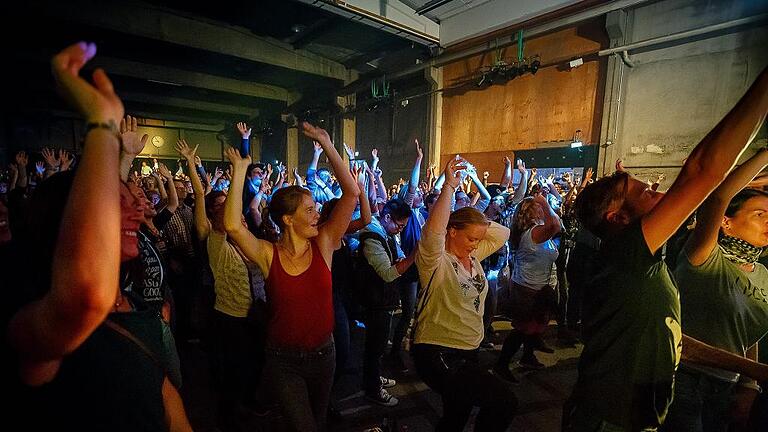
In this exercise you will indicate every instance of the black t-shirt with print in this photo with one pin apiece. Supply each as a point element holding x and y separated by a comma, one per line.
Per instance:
<point>632,335</point>
<point>144,278</point>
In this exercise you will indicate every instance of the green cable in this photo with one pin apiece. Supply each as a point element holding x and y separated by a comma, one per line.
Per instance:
<point>520,45</point>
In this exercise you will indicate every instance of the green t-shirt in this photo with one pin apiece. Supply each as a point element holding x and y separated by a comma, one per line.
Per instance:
<point>723,305</point>
<point>632,336</point>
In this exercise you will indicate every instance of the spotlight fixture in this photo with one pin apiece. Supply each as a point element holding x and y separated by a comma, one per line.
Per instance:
<point>535,65</point>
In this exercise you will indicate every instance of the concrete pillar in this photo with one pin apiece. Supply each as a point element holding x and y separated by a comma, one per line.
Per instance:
<point>617,24</point>
<point>256,147</point>
<point>434,76</point>
<point>292,149</point>
<point>348,124</point>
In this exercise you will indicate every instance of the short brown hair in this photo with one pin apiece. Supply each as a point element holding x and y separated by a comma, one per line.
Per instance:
<point>466,216</point>
<point>285,202</point>
<point>597,199</point>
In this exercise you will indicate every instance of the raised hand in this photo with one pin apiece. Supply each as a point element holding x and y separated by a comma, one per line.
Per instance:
<point>185,150</point>
<point>587,177</point>
<point>132,144</point>
<point>239,163</point>
<point>281,168</point>
<point>507,162</point>
<point>521,167</point>
<point>97,102</point>
<point>316,147</point>
<point>40,168</point>
<point>375,154</point>
<point>533,172</point>
<point>66,160</point>
<point>315,133</point>
<point>217,173</point>
<point>209,177</point>
<point>245,131</point>
<point>198,162</point>
<point>419,153</point>
<point>359,176</point>
<point>50,158</point>
<point>349,152</point>
<point>551,178</point>
<point>164,171</point>
<point>21,160</point>
<point>453,170</point>
<point>296,175</point>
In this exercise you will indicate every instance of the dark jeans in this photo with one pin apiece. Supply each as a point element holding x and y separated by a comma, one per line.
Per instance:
<point>463,383</point>
<point>377,324</point>
<point>582,265</point>
<point>562,286</point>
<point>701,403</point>
<point>407,303</point>
<point>301,384</point>
<point>237,358</point>
<point>341,335</point>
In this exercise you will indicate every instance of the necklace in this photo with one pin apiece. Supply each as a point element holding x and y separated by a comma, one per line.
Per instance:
<point>292,258</point>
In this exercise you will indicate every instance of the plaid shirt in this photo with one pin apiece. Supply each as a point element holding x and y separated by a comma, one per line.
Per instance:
<point>179,232</point>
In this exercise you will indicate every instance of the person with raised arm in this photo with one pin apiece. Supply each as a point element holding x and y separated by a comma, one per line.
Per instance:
<point>237,323</point>
<point>77,344</point>
<point>632,333</point>
<point>449,312</point>
<point>300,349</point>
<point>724,302</point>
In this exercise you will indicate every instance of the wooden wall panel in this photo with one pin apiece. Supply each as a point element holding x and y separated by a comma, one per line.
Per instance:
<point>485,124</point>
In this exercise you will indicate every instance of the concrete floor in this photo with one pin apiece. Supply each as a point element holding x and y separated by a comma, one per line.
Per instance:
<point>541,393</point>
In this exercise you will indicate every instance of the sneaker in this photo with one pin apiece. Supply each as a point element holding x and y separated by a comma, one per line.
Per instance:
<point>387,382</point>
<point>505,374</point>
<point>398,362</point>
<point>374,429</point>
<point>531,363</point>
<point>486,344</point>
<point>383,398</point>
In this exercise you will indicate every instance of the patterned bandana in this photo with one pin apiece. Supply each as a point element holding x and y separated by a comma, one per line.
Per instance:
<point>738,250</point>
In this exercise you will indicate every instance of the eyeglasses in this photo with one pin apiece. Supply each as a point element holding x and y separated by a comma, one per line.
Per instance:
<point>398,225</point>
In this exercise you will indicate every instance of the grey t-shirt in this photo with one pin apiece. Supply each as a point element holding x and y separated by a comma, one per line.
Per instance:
<point>723,305</point>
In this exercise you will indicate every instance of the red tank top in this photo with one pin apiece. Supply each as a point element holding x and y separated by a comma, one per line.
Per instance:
<point>300,307</point>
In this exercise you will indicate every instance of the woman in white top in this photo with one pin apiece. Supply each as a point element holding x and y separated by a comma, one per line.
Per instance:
<point>449,312</point>
<point>534,279</point>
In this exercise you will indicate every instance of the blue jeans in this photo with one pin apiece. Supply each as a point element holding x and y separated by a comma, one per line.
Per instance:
<point>301,384</point>
<point>701,403</point>
<point>407,303</point>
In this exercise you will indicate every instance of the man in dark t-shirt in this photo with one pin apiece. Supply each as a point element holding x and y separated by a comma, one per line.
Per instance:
<point>632,335</point>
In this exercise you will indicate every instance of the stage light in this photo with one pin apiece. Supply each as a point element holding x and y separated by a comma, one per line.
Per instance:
<point>576,144</point>
<point>535,65</point>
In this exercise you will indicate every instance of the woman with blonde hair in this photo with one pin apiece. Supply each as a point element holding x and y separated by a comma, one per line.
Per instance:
<point>534,280</point>
<point>449,312</point>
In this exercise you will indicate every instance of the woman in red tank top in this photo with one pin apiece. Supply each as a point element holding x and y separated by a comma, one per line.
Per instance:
<point>300,356</point>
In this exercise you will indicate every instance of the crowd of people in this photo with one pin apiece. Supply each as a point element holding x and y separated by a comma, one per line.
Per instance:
<point>111,269</point>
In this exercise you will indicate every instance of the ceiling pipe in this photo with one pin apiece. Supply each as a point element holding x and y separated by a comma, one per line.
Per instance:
<point>703,31</point>
<point>430,6</point>
<point>354,13</point>
<point>529,33</point>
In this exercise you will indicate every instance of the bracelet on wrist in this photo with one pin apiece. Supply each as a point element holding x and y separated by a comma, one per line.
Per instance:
<point>110,126</point>
<point>751,385</point>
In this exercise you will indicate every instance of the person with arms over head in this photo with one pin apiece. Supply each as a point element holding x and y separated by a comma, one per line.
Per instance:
<point>724,301</point>
<point>449,312</point>
<point>632,334</point>
<point>87,354</point>
<point>300,349</point>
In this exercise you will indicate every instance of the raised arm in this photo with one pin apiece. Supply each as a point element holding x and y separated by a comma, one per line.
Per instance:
<point>441,211</point>
<point>332,231</point>
<point>160,184</point>
<point>173,195</point>
<point>522,186</point>
<point>132,144</point>
<point>710,215</point>
<point>484,196</point>
<point>317,150</point>
<point>413,182</point>
<point>297,177</point>
<point>83,283</point>
<point>21,165</point>
<point>708,164</point>
<point>245,138</point>
<point>552,225</point>
<point>506,175</point>
<point>202,224</point>
<point>256,250</point>
<point>375,159</point>
<point>365,206</point>
<point>697,352</point>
